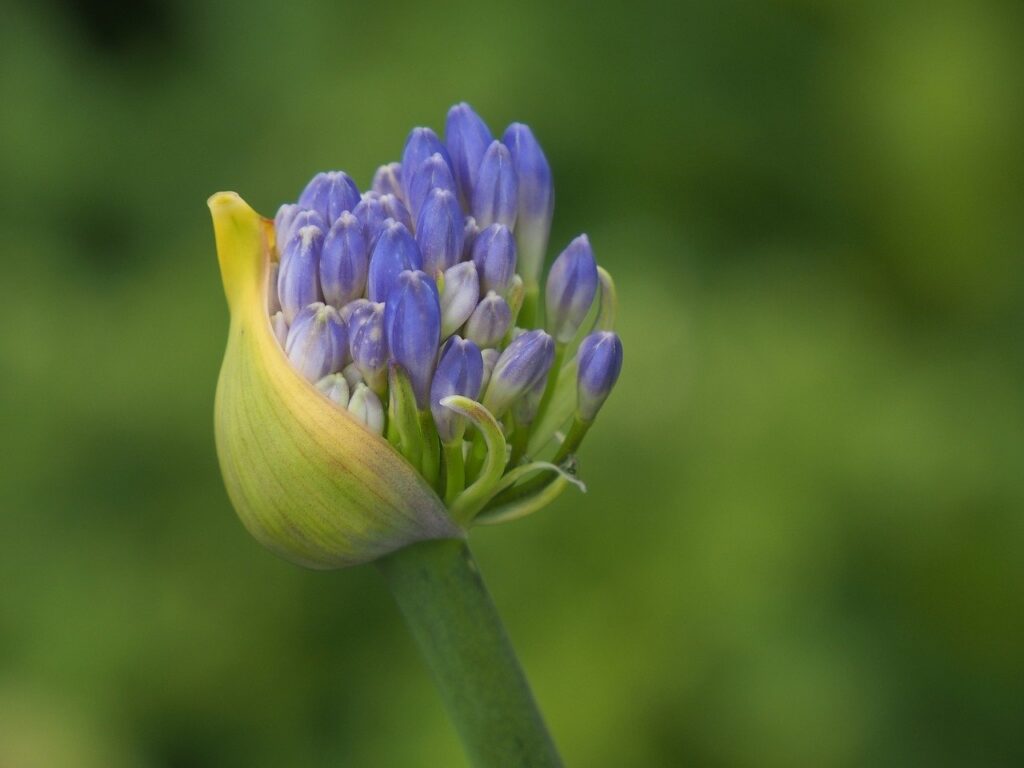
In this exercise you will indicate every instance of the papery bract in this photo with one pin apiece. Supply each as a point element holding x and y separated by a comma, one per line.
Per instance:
<point>306,478</point>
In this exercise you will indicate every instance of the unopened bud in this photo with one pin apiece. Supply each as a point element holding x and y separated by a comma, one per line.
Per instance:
<point>367,409</point>
<point>419,146</point>
<point>317,341</point>
<point>496,193</point>
<point>412,322</point>
<point>335,388</point>
<point>524,410</point>
<point>494,253</point>
<point>298,279</point>
<point>536,202</point>
<point>349,309</point>
<point>283,224</point>
<point>467,137</point>
<point>459,372</point>
<point>599,363</point>
<point>570,290</point>
<point>523,362</point>
<point>433,174</point>
<point>397,210</point>
<point>490,321</point>
<point>330,194</point>
<point>344,261</point>
<point>394,252</point>
<point>280,326</point>
<point>490,357</point>
<point>368,346</point>
<point>388,180</point>
<point>440,231</point>
<point>273,303</point>
<point>290,219</point>
<point>469,236</point>
<point>353,376</point>
<point>371,215</point>
<point>459,296</point>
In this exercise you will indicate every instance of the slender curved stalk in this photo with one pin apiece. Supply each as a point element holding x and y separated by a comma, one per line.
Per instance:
<point>444,601</point>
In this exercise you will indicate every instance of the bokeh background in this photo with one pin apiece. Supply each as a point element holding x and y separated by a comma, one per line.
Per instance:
<point>803,543</point>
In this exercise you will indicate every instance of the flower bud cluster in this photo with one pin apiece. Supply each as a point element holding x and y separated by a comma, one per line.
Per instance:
<point>431,277</point>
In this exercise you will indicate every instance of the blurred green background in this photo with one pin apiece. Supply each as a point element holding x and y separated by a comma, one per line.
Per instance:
<point>803,543</point>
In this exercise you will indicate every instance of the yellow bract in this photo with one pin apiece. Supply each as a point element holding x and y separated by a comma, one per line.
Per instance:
<point>307,480</point>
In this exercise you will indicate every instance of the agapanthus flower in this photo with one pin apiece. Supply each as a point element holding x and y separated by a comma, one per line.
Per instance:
<point>392,373</point>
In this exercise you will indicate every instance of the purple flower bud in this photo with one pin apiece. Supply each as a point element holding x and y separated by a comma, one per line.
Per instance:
<point>490,321</point>
<point>335,388</point>
<point>459,372</point>
<point>494,253</point>
<point>395,209</point>
<point>496,192</point>
<point>349,309</point>
<point>283,224</point>
<point>280,327</point>
<point>524,361</point>
<point>420,145</point>
<point>572,285</point>
<point>273,303</point>
<point>536,198</point>
<point>290,219</point>
<point>459,296</point>
<point>317,341</point>
<point>439,231</point>
<point>344,261</point>
<point>367,409</point>
<point>433,174</point>
<point>395,251</point>
<point>388,180</point>
<point>367,343</point>
<point>467,138</point>
<point>412,321</point>
<point>599,363</point>
<point>356,312</point>
<point>298,278</point>
<point>329,194</point>
<point>490,357</point>
<point>371,215</point>
<point>524,410</point>
<point>469,236</point>
<point>305,217</point>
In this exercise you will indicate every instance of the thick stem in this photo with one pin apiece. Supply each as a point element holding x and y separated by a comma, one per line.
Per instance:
<point>457,628</point>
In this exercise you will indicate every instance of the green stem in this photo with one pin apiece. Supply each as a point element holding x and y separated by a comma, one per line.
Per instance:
<point>549,390</point>
<point>454,471</point>
<point>536,484</point>
<point>431,455</point>
<point>528,312</point>
<point>444,601</point>
<point>477,454</point>
<point>520,437</point>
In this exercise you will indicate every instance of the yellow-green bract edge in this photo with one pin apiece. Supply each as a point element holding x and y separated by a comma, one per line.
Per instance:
<point>307,480</point>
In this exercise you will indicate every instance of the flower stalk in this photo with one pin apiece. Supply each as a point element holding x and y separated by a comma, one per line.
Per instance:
<point>453,620</point>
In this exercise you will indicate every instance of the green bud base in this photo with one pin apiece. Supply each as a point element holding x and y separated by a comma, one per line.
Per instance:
<point>440,593</point>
